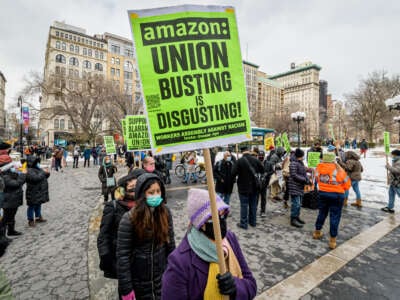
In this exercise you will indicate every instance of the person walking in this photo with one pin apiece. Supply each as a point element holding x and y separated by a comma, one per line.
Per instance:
<point>332,183</point>
<point>58,156</point>
<point>193,272</point>
<point>106,177</point>
<point>190,166</point>
<point>94,155</point>
<point>86,156</point>
<point>246,169</point>
<point>296,182</point>
<point>223,177</point>
<point>77,153</point>
<point>354,168</point>
<point>394,180</point>
<point>363,147</point>
<point>112,215</point>
<point>13,196</point>
<point>37,190</point>
<point>145,239</point>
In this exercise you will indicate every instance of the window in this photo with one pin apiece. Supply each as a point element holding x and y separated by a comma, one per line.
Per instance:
<point>69,124</point>
<point>62,124</point>
<point>96,54</point>
<point>101,55</point>
<point>77,49</point>
<point>128,52</point>
<point>58,45</point>
<point>79,39</point>
<point>117,72</point>
<point>87,64</point>
<point>57,70</point>
<point>64,46</point>
<point>63,71</point>
<point>74,38</point>
<point>84,51</point>
<point>90,43</point>
<point>128,75</point>
<point>112,60</point>
<point>76,73</point>
<point>57,33</point>
<point>56,124</point>
<point>115,49</point>
<point>89,52</point>
<point>70,36</point>
<point>112,72</point>
<point>62,34</point>
<point>71,73</point>
<point>71,48</point>
<point>128,65</point>
<point>73,61</point>
<point>60,58</point>
<point>98,67</point>
<point>117,61</point>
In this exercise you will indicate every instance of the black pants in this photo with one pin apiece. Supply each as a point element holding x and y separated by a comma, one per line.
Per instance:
<point>86,161</point>
<point>9,215</point>
<point>75,163</point>
<point>58,163</point>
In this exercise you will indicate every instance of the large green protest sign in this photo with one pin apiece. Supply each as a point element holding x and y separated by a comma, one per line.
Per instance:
<point>313,159</point>
<point>191,71</point>
<point>136,133</point>
<point>109,143</point>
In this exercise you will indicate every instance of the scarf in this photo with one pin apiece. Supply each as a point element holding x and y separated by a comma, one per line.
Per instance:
<point>202,245</point>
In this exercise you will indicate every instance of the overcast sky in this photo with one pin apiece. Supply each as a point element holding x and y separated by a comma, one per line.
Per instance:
<point>349,39</point>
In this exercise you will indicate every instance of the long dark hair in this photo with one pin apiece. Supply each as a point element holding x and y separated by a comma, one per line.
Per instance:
<point>150,224</point>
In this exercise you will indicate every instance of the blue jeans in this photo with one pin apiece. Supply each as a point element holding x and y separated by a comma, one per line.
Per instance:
<point>34,211</point>
<point>248,209</point>
<point>187,176</point>
<point>356,189</point>
<point>296,205</point>
<point>225,197</point>
<point>392,194</point>
<point>331,203</point>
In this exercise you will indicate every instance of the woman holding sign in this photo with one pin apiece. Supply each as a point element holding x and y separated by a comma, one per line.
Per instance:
<point>107,179</point>
<point>193,271</point>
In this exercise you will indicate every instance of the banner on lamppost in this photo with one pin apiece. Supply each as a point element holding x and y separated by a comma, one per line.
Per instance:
<point>110,145</point>
<point>25,118</point>
<point>136,133</point>
<point>191,71</point>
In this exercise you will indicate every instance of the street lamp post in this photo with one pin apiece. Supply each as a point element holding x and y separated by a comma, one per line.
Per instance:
<point>20,125</point>
<point>397,119</point>
<point>298,117</point>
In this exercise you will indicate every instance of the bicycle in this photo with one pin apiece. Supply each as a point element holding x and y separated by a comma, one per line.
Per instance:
<point>200,170</point>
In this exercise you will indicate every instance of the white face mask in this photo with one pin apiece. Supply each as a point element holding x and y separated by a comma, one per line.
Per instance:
<point>229,158</point>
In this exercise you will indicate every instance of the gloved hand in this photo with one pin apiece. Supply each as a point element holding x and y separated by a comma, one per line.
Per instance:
<point>106,262</point>
<point>226,284</point>
<point>130,296</point>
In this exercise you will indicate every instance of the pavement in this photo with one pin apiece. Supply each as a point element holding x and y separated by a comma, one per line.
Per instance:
<point>58,259</point>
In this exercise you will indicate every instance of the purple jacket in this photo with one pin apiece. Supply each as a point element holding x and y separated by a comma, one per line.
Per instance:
<point>186,275</point>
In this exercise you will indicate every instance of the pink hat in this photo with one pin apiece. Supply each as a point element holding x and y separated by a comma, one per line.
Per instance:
<point>199,207</point>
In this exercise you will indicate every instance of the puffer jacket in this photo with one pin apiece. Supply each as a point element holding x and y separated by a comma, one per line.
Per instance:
<point>277,156</point>
<point>141,263</point>
<point>104,172</point>
<point>394,173</point>
<point>13,193</point>
<point>37,187</point>
<point>352,165</point>
<point>297,177</point>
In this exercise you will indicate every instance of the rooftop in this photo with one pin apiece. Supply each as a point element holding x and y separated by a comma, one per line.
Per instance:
<point>296,70</point>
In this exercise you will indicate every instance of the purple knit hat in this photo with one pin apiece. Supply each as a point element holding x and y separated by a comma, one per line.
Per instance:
<point>199,206</point>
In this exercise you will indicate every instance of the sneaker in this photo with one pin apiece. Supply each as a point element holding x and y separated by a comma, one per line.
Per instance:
<point>296,223</point>
<point>31,223</point>
<point>388,210</point>
<point>263,215</point>
<point>40,220</point>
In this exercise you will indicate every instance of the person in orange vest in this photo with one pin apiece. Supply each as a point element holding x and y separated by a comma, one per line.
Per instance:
<point>332,183</point>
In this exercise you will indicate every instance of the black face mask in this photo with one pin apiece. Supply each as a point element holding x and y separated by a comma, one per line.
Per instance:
<point>209,231</point>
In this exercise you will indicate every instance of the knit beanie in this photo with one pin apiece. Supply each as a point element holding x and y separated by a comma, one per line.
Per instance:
<point>396,152</point>
<point>199,206</point>
<point>328,157</point>
<point>299,153</point>
<point>331,148</point>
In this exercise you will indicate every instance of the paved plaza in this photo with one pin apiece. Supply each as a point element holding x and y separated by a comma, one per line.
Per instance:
<point>58,259</point>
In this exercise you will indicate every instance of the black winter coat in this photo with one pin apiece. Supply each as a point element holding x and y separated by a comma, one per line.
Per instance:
<point>13,193</point>
<point>37,187</point>
<point>223,176</point>
<point>141,263</point>
<point>246,181</point>
<point>105,172</point>
<point>107,239</point>
<point>297,178</point>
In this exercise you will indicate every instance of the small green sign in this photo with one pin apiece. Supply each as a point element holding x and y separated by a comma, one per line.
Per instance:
<point>286,143</point>
<point>278,141</point>
<point>313,159</point>
<point>137,134</point>
<point>109,143</point>
<point>386,141</point>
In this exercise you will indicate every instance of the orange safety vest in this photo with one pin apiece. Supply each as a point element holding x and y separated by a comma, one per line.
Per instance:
<point>332,178</point>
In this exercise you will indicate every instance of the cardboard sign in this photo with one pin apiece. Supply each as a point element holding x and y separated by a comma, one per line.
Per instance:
<point>109,144</point>
<point>191,71</point>
<point>313,159</point>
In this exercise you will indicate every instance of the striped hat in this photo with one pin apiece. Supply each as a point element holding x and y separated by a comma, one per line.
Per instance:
<point>199,207</point>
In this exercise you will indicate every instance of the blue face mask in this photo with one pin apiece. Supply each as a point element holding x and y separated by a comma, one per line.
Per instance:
<point>38,165</point>
<point>13,170</point>
<point>229,158</point>
<point>154,201</point>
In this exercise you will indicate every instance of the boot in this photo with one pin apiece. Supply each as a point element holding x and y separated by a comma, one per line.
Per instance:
<point>40,220</point>
<point>317,234</point>
<point>295,223</point>
<point>345,202</point>
<point>300,221</point>
<point>357,203</point>
<point>332,242</point>
<point>11,230</point>
<point>31,223</point>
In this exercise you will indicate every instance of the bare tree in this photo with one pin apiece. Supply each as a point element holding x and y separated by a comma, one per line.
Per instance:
<point>367,101</point>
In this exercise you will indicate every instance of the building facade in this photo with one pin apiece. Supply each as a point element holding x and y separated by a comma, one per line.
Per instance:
<point>250,75</point>
<point>301,93</point>
<point>2,111</point>
<point>269,102</point>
